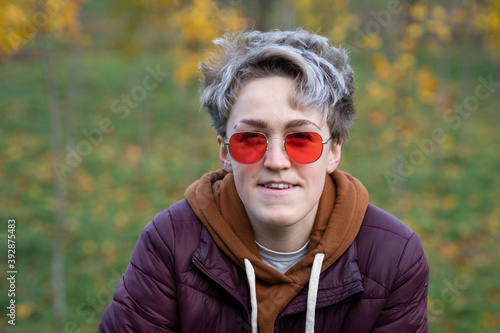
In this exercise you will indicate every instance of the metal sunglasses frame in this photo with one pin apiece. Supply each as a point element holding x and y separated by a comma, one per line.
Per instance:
<point>323,142</point>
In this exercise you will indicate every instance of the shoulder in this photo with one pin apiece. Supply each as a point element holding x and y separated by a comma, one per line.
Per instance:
<point>173,233</point>
<point>379,221</point>
<point>175,218</point>
<point>147,293</point>
<point>177,214</point>
<point>387,248</point>
<point>383,230</point>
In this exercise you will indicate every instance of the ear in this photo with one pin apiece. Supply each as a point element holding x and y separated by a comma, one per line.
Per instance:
<point>224,154</point>
<point>334,157</point>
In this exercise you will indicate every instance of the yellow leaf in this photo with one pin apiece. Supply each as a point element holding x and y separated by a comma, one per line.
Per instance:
<point>65,23</point>
<point>414,31</point>
<point>83,180</point>
<point>494,222</point>
<point>459,16</point>
<point>108,251</point>
<point>121,221</point>
<point>380,93</point>
<point>376,117</point>
<point>35,191</point>
<point>133,154</point>
<point>89,247</point>
<point>439,13</point>
<point>490,320</point>
<point>418,11</point>
<point>450,202</point>
<point>403,65</point>
<point>381,65</point>
<point>24,310</point>
<point>448,251</point>
<point>371,42</point>
<point>440,29</point>
<point>196,26</point>
<point>428,84</point>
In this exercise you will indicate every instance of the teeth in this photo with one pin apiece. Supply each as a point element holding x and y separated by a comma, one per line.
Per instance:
<point>280,186</point>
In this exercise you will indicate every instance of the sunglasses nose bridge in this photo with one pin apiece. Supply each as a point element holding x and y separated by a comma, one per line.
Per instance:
<point>275,138</point>
<point>276,158</point>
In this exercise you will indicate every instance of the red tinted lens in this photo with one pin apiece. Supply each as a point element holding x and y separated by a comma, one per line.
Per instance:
<point>304,147</point>
<point>247,147</point>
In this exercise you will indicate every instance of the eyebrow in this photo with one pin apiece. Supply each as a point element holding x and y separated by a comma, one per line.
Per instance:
<point>300,122</point>
<point>263,124</point>
<point>253,122</point>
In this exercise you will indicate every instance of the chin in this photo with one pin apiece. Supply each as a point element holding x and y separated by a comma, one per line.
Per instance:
<point>276,219</point>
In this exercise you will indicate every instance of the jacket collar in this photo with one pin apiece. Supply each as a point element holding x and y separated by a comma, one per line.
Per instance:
<point>209,259</point>
<point>339,282</point>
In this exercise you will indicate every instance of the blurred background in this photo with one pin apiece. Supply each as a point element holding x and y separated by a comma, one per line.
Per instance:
<point>101,128</point>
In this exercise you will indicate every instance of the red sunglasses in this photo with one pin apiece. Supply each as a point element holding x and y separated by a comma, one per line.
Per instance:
<point>250,147</point>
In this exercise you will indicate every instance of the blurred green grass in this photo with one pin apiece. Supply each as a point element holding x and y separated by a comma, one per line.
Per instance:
<point>165,143</point>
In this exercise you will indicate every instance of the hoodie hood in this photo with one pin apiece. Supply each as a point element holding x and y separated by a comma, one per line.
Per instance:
<point>342,206</point>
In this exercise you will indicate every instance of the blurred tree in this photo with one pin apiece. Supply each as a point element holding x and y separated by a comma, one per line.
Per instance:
<point>22,21</point>
<point>12,20</point>
<point>331,18</point>
<point>46,20</point>
<point>404,62</point>
<point>267,15</point>
<point>61,21</point>
<point>188,27</point>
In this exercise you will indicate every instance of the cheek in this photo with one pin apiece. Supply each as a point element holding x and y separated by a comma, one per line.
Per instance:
<point>243,178</point>
<point>315,178</point>
<point>318,182</point>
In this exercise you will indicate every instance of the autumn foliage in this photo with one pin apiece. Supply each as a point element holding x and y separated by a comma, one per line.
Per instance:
<point>112,87</point>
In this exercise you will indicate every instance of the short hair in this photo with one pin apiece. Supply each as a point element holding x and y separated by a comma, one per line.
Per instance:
<point>324,81</point>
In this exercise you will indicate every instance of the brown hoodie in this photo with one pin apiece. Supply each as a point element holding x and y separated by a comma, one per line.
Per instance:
<point>341,209</point>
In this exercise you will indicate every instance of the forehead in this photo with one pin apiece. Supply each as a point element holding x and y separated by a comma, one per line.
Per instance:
<point>287,124</point>
<point>265,103</point>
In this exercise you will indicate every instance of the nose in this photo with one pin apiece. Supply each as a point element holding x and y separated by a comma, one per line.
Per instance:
<point>276,157</point>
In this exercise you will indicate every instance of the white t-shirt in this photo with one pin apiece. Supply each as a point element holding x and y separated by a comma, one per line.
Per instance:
<point>282,261</point>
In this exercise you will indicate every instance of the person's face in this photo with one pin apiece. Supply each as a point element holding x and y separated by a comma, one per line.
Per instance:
<point>263,105</point>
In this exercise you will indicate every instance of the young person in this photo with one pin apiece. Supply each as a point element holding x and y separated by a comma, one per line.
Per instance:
<point>279,240</point>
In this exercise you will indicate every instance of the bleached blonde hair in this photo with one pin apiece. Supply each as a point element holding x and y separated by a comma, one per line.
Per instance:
<point>324,81</point>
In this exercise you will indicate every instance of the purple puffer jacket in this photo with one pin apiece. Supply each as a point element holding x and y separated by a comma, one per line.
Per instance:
<point>179,281</point>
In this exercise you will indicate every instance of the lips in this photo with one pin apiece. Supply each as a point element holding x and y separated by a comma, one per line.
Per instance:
<point>279,186</point>
<point>276,184</point>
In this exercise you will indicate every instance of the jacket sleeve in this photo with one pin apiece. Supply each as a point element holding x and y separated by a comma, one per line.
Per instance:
<point>406,306</point>
<point>145,300</point>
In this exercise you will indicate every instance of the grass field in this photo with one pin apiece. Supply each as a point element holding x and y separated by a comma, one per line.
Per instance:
<point>434,168</point>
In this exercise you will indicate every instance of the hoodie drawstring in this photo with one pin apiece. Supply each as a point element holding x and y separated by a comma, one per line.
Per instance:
<point>312,295</point>
<point>253,293</point>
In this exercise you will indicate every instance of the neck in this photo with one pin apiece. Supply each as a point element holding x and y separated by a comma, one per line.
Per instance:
<point>288,238</point>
